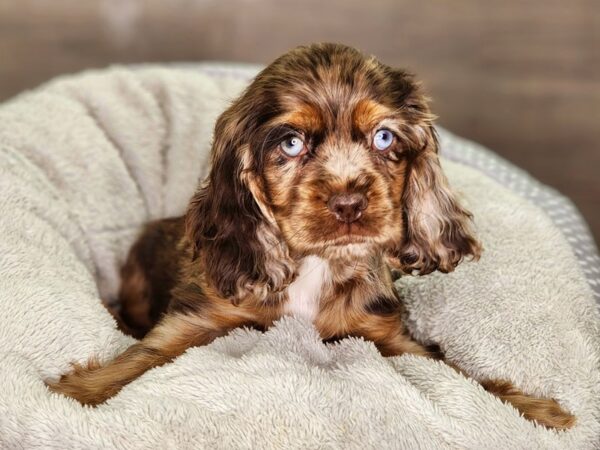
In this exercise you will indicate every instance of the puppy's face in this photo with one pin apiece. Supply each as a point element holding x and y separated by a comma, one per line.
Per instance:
<point>327,152</point>
<point>334,159</point>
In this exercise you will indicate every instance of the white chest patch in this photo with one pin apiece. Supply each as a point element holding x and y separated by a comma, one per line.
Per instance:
<point>305,292</point>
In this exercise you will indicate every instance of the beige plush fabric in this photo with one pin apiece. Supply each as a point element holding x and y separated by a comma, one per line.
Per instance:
<point>86,160</point>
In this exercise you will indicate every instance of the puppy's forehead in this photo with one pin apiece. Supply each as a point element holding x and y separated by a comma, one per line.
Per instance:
<point>302,115</point>
<point>359,114</point>
<point>369,113</point>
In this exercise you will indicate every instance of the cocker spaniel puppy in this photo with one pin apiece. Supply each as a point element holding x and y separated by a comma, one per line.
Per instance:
<point>325,175</point>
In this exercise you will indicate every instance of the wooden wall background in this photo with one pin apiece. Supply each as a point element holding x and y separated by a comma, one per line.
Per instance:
<point>522,77</point>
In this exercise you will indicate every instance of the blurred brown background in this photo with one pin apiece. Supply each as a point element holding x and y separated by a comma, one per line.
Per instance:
<point>520,77</point>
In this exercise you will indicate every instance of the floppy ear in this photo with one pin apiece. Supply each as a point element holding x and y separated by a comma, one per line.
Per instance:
<point>229,225</point>
<point>438,230</point>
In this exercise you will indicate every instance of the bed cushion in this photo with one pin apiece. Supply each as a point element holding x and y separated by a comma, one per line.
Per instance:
<point>86,160</point>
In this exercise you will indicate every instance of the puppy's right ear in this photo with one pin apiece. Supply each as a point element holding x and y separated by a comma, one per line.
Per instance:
<point>229,224</point>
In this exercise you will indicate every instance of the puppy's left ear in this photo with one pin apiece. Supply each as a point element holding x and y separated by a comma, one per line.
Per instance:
<point>438,230</point>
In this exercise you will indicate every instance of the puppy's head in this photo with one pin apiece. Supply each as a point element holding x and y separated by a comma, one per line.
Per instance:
<point>331,153</point>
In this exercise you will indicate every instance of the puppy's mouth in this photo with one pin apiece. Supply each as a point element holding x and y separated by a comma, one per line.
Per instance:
<point>351,233</point>
<point>353,238</point>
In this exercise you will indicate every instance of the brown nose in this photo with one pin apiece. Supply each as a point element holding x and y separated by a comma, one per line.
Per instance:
<point>347,208</point>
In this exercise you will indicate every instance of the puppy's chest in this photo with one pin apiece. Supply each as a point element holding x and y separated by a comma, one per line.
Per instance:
<point>305,294</point>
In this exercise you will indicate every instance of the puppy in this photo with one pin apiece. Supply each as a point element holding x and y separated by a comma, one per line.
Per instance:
<point>324,177</point>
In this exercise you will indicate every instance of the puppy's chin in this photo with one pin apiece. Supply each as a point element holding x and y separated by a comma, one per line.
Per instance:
<point>350,248</point>
<point>350,251</point>
<point>340,241</point>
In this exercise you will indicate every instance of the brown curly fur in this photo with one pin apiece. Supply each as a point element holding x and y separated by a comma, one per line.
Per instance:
<point>262,214</point>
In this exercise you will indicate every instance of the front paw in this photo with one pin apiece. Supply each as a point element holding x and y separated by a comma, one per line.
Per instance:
<point>544,411</point>
<point>83,384</point>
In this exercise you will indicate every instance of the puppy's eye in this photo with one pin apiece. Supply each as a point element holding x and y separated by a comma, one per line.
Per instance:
<point>383,139</point>
<point>292,146</point>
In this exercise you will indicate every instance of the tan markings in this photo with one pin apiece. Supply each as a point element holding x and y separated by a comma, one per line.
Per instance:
<point>368,113</point>
<point>304,117</point>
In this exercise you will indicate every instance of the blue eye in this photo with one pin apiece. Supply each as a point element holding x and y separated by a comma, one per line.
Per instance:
<point>292,146</point>
<point>383,139</point>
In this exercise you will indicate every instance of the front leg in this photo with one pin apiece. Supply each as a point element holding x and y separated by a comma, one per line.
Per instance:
<point>94,383</point>
<point>387,331</point>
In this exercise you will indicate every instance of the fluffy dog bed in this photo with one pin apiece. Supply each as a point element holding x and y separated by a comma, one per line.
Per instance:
<point>86,160</point>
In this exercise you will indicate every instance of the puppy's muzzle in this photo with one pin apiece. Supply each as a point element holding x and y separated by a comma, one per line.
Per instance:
<point>347,208</point>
